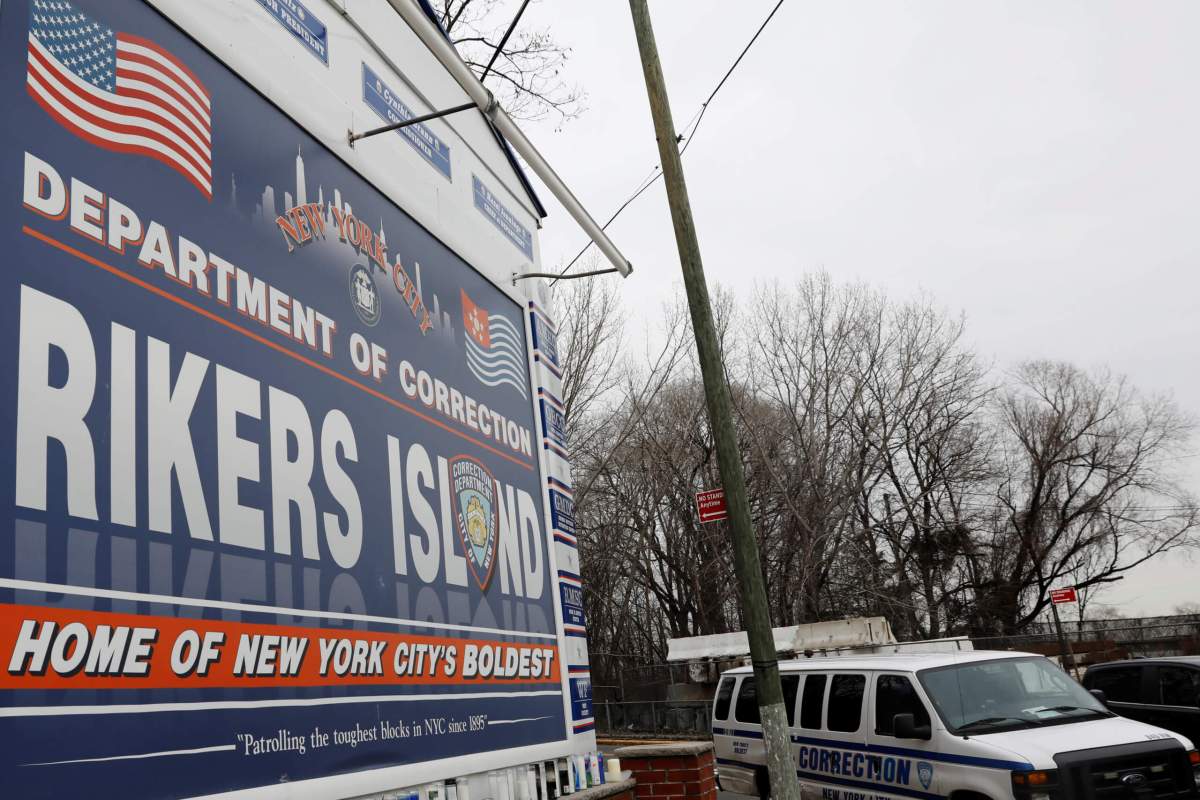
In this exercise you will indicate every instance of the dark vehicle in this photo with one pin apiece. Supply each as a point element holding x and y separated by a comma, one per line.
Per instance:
<point>1164,692</point>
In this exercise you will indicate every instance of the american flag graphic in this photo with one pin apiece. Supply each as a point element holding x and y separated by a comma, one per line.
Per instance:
<point>118,91</point>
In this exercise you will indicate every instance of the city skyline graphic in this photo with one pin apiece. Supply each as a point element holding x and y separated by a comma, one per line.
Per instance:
<point>492,360</point>
<point>267,208</point>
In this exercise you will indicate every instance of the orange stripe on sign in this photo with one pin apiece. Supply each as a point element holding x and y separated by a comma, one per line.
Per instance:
<point>52,648</point>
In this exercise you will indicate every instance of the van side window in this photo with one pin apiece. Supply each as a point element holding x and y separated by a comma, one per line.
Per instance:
<point>746,709</point>
<point>845,702</point>
<point>811,702</point>
<point>1122,684</point>
<point>724,697</point>
<point>894,694</point>
<point>790,684</point>
<point>1180,686</point>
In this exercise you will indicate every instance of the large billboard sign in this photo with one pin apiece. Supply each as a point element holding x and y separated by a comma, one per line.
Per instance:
<point>269,464</point>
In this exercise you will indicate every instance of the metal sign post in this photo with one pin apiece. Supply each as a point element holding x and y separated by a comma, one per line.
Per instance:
<point>1067,655</point>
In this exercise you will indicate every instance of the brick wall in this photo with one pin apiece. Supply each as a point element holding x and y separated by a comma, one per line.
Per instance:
<point>671,771</point>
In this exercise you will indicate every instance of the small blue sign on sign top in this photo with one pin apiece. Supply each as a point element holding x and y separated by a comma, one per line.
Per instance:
<point>300,22</point>
<point>384,102</point>
<point>572,604</point>
<point>545,340</point>
<point>490,206</point>
<point>554,424</point>
<point>562,512</point>
<point>581,698</point>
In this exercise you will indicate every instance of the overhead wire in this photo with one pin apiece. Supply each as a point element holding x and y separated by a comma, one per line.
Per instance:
<point>512,26</point>
<point>685,137</point>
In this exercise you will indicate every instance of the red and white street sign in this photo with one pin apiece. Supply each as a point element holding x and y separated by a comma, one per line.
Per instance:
<point>711,505</point>
<point>1060,596</point>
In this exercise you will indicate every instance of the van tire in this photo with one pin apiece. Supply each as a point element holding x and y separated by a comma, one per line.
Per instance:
<point>762,781</point>
<point>968,795</point>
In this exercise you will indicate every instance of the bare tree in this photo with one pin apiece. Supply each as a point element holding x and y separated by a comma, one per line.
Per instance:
<point>526,76</point>
<point>809,348</point>
<point>591,335</point>
<point>890,471</point>
<point>1085,489</point>
<point>924,396</point>
<point>608,391</point>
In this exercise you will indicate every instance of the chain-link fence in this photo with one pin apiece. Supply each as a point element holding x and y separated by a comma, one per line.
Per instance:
<point>682,719</point>
<point>639,700</point>
<point>1095,641</point>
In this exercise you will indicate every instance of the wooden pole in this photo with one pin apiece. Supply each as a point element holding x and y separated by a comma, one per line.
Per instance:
<point>776,738</point>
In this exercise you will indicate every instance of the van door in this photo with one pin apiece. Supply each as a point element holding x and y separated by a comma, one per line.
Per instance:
<point>831,737</point>
<point>731,736</point>
<point>899,765</point>
<point>741,752</point>
<point>809,727</point>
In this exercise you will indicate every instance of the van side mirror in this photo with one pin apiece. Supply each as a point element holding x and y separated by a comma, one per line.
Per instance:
<point>1099,695</point>
<point>905,727</point>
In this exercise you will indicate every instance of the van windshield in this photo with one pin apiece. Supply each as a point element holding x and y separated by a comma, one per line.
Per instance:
<point>988,696</point>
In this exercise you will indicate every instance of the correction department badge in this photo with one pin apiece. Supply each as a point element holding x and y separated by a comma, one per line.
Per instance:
<point>925,773</point>
<point>364,296</point>
<point>476,515</point>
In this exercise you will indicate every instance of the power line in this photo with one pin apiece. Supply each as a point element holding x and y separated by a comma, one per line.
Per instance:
<point>684,137</point>
<point>512,26</point>
<point>742,55</point>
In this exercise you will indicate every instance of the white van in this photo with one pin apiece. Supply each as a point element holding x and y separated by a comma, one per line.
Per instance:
<point>965,726</point>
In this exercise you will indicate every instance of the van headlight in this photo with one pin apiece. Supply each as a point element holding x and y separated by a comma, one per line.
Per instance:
<point>1037,784</point>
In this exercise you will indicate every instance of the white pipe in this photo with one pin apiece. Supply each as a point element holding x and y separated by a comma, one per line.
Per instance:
<point>445,53</point>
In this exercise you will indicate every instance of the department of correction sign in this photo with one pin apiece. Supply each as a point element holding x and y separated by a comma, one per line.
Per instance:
<point>261,521</point>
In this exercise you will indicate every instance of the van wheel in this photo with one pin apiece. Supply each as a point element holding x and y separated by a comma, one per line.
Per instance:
<point>762,780</point>
<point>968,796</point>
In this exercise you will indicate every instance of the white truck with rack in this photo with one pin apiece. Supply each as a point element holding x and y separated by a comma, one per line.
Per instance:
<point>965,726</point>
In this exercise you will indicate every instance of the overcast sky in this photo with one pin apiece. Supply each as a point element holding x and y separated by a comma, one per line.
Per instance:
<point>1033,165</point>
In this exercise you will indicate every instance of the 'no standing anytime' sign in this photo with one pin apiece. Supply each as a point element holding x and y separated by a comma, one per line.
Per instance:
<point>711,505</point>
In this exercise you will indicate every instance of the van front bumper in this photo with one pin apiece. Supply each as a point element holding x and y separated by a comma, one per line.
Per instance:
<point>1153,770</point>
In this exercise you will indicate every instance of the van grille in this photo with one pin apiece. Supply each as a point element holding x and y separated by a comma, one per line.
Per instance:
<point>1140,771</point>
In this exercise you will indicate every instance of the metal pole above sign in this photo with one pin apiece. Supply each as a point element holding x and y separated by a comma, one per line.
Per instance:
<point>434,39</point>
<point>1058,596</point>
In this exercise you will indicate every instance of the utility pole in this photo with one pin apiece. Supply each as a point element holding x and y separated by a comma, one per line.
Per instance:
<point>780,769</point>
